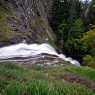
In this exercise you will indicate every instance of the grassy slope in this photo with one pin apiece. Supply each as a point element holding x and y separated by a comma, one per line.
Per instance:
<point>16,80</point>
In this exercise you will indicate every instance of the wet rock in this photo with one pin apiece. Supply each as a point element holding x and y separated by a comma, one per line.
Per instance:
<point>28,19</point>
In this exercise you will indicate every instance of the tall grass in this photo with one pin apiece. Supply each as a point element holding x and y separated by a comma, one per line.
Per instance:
<point>16,80</point>
<point>39,87</point>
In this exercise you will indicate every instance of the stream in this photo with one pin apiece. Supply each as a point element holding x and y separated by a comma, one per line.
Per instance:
<point>33,52</point>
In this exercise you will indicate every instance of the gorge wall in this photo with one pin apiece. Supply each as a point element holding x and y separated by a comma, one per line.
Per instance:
<point>25,20</point>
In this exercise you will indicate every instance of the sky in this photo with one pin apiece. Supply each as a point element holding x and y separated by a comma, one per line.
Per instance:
<point>80,0</point>
<point>84,0</point>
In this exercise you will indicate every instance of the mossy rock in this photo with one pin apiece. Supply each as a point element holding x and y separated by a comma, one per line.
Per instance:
<point>39,30</point>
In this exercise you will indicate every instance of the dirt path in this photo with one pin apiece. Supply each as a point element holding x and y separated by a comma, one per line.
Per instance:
<point>73,78</point>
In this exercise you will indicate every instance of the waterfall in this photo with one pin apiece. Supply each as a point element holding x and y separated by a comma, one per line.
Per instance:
<point>32,50</point>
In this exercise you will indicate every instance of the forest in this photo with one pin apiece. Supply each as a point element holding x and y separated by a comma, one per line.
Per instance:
<point>74,25</point>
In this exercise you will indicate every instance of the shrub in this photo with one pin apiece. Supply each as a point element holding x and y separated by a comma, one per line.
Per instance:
<point>89,61</point>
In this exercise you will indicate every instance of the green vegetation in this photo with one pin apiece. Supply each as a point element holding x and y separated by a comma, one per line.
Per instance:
<point>89,61</point>
<point>73,23</point>
<point>36,80</point>
<point>86,72</point>
<point>5,32</point>
<point>45,88</point>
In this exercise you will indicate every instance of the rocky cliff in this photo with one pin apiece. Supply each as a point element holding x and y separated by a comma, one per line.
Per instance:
<point>25,20</point>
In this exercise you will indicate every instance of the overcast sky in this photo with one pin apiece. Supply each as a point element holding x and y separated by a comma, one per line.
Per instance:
<point>84,0</point>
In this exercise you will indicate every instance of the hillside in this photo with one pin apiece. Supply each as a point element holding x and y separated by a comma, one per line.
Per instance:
<point>47,47</point>
<point>46,80</point>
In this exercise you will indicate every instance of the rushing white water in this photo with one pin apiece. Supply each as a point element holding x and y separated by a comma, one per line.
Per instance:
<point>27,50</point>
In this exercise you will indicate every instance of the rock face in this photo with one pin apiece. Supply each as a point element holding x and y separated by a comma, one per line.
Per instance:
<point>25,20</point>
